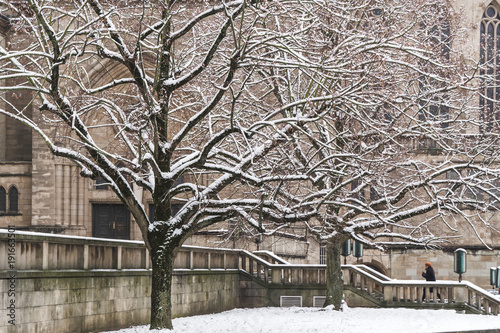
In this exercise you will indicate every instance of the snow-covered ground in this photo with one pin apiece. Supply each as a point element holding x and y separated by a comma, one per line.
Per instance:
<point>306,320</point>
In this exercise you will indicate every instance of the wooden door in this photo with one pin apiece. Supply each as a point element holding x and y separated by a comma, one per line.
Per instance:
<point>110,221</point>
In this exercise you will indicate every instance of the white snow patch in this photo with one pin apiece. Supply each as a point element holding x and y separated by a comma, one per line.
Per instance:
<point>355,320</point>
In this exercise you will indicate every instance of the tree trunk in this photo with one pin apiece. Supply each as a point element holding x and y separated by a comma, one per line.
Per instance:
<point>334,275</point>
<point>161,289</point>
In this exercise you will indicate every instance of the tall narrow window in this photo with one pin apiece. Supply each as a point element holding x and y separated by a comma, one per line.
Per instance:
<point>374,195</point>
<point>357,191</point>
<point>13,200</point>
<point>472,192</point>
<point>490,71</point>
<point>322,254</point>
<point>433,107</point>
<point>3,200</point>
<point>495,197</point>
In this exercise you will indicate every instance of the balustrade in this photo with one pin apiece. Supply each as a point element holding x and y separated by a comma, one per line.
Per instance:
<point>36,251</point>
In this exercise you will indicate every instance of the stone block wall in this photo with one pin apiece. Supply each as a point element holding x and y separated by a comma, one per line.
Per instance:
<point>253,293</point>
<point>51,301</point>
<point>86,301</point>
<point>204,292</point>
<point>409,264</point>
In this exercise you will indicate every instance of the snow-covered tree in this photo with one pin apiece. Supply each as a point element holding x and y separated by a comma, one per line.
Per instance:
<point>400,157</point>
<point>168,98</point>
<point>272,112</point>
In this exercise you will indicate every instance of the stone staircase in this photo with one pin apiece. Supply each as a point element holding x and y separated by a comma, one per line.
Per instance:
<point>367,287</point>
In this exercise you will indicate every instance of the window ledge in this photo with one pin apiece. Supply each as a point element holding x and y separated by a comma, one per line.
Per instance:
<point>10,214</point>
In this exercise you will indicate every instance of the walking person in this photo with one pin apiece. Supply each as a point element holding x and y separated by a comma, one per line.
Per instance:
<point>429,275</point>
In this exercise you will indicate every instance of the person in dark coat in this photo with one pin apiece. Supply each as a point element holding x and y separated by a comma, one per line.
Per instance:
<point>429,275</point>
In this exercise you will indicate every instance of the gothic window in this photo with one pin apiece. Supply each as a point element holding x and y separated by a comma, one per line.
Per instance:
<point>13,200</point>
<point>3,200</point>
<point>322,254</point>
<point>434,109</point>
<point>490,72</point>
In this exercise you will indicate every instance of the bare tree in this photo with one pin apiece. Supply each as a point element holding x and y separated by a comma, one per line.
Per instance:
<point>396,155</point>
<point>145,93</point>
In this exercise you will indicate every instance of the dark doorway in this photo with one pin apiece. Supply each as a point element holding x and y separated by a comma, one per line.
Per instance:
<point>110,221</point>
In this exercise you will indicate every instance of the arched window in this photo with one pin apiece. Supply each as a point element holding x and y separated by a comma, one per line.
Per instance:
<point>13,200</point>
<point>3,200</point>
<point>490,71</point>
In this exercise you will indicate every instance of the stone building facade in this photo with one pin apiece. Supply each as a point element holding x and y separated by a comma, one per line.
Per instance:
<point>39,192</point>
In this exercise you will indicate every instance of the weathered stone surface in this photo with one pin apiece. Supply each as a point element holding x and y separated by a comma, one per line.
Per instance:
<point>83,301</point>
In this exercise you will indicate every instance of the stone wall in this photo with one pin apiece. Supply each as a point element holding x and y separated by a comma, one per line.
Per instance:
<point>408,264</point>
<point>78,284</point>
<point>51,301</point>
<point>197,292</point>
<point>85,301</point>
<point>253,293</point>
